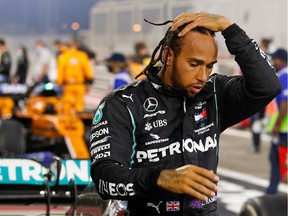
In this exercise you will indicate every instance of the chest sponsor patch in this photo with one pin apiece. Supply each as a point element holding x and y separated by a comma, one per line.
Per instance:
<point>155,124</point>
<point>200,114</point>
<point>188,145</point>
<point>150,104</point>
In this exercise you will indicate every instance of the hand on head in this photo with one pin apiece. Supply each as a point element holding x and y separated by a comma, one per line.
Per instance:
<point>212,22</point>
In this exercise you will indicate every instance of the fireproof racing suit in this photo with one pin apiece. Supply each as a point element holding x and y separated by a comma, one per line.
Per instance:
<point>145,127</point>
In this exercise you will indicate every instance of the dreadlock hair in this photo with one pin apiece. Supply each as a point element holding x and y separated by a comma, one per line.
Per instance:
<point>172,41</point>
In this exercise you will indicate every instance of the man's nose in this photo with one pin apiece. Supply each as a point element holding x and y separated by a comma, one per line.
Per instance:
<point>203,74</point>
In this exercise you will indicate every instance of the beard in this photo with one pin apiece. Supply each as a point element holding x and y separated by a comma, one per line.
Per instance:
<point>176,78</point>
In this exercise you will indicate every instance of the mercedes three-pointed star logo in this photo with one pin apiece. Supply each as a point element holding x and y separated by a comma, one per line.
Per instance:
<point>150,104</point>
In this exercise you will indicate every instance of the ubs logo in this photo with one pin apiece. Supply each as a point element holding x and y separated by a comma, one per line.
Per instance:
<point>156,124</point>
<point>150,104</point>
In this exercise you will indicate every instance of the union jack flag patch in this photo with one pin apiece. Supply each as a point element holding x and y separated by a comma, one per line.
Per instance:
<point>172,206</point>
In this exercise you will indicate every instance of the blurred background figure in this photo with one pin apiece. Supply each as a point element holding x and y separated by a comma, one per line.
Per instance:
<point>142,55</point>
<point>257,121</point>
<point>257,127</point>
<point>266,45</point>
<point>86,49</point>
<point>278,125</point>
<point>91,55</point>
<point>139,60</point>
<point>22,65</point>
<point>60,47</point>
<point>117,64</point>
<point>75,74</point>
<point>5,62</point>
<point>44,64</point>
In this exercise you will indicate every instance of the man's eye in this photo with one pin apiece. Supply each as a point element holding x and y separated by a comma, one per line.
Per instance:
<point>210,66</point>
<point>193,64</point>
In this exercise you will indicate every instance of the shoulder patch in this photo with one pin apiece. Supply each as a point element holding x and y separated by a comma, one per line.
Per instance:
<point>98,114</point>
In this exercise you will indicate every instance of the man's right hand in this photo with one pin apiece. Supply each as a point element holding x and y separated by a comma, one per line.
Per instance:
<point>189,179</point>
<point>212,22</point>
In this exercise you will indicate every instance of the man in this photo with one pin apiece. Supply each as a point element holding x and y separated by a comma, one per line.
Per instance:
<point>279,123</point>
<point>117,65</point>
<point>22,65</point>
<point>141,53</point>
<point>140,59</point>
<point>5,62</point>
<point>43,66</point>
<point>74,73</point>
<point>60,47</point>
<point>155,143</point>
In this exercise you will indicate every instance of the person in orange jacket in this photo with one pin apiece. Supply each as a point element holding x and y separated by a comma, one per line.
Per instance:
<point>74,73</point>
<point>60,47</point>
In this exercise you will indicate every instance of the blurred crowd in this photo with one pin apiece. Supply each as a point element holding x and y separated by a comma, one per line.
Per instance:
<point>41,63</point>
<point>69,65</point>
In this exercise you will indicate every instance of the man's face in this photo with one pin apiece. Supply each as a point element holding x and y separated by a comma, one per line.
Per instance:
<point>110,66</point>
<point>113,66</point>
<point>2,48</point>
<point>278,63</point>
<point>191,69</point>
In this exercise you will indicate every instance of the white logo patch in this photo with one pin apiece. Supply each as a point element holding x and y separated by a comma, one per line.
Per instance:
<point>150,104</point>
<point>128,96</point>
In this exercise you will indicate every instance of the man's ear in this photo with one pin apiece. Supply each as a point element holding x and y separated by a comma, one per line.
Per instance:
<point>167,56</point>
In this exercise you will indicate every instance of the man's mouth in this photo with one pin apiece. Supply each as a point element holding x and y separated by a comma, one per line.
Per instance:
<point>194,89</point>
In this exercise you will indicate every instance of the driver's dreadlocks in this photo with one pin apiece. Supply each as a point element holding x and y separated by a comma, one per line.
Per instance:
<point>172,41</point>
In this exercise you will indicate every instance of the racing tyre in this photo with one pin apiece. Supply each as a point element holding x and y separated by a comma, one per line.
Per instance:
<point>12,138</point>
<point>268,205</point>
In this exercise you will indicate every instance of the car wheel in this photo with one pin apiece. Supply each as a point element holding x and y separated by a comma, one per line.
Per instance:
<point>267,205</point>
<point>12,138</point>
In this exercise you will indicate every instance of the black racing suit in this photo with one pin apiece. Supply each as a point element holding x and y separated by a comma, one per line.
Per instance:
<point>145,127</point>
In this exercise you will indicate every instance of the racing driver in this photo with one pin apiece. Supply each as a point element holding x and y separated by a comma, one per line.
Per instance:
<point>155,142</point>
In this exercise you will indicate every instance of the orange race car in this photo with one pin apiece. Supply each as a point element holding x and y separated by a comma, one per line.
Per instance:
<point>44,120</point>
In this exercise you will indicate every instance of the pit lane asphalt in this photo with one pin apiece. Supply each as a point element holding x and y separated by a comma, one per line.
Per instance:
<point>242,175</point>
<point>235,154</point>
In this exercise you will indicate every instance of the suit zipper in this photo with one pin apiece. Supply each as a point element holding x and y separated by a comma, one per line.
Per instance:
<point>184,105</point>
